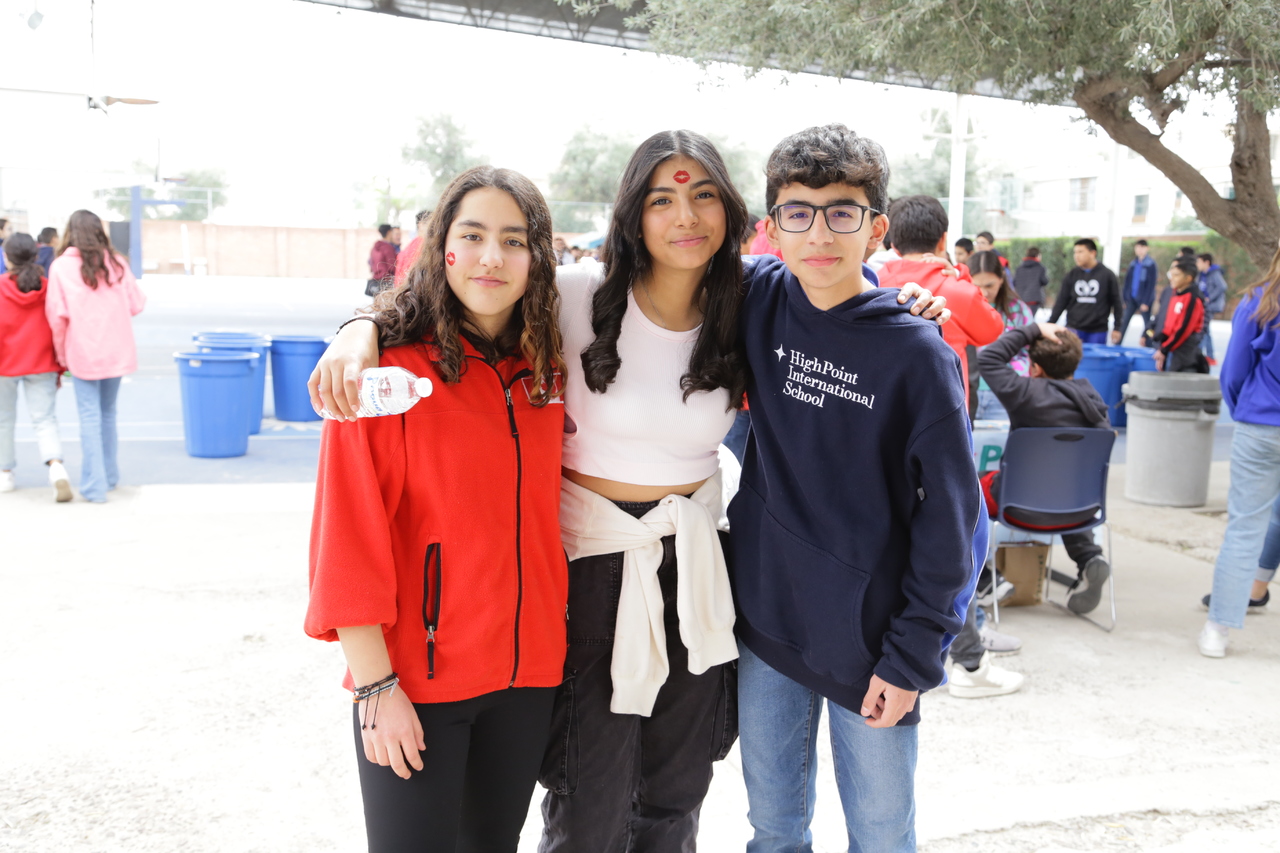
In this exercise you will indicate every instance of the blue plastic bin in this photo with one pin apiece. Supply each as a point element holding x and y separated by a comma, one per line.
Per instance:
<point>216,387</point>
<point>1106,370</point>
<point>293,357</point>
<point>243,342</point>
<point>1141,360</point>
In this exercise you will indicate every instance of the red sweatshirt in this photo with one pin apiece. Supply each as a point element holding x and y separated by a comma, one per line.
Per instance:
<point>442,525</point>
<point>26,341</point>
<point>405,259</point>
<point>974,321</point>
<point>1183,318</point>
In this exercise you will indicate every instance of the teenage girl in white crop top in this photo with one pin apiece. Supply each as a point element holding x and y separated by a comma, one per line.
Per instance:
<point>655,379</point>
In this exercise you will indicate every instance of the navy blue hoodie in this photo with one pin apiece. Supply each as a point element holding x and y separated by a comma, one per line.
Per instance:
<point>854,526</point>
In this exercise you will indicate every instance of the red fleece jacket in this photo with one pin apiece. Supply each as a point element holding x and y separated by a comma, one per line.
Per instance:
<point>447,518</point>
<point>26,341</point>
<point>974,321</point>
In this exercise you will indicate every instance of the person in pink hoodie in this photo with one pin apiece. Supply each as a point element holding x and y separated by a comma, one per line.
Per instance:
<point>92,299</point>
<point>27,359</point>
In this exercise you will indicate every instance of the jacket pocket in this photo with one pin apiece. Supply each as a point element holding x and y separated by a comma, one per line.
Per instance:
<point>803,597</point>
<point>432,586</point>
<point>725,726</point>
<point>559,772</point>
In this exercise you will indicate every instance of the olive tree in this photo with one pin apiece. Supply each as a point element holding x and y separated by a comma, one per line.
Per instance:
<point>1129,65</point>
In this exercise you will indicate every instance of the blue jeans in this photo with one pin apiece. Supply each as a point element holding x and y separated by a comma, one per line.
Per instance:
<point>1091,337</point>
<point>42,391</point>
<point>96,401</point>
<point>1269,560</point>
<point>989,407</point>
<point>778,731</point>
<point>736,440</point>
<point>1255,485</point>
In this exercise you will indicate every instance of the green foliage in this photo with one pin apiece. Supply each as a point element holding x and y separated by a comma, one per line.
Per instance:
<point>444,151</point>
<point>1033,47</point>
<point>197,187</point>
<point>746,169</point>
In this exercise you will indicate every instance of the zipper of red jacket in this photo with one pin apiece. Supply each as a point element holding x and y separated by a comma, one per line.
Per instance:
<point>515,436</point>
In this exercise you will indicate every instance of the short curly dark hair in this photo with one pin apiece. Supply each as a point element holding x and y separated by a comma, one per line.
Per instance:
<point>1058,359</point>
<point>831,154</point>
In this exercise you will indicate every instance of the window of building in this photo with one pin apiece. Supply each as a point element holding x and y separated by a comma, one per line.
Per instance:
<point>1082,193</point>
<point>1140,205</point>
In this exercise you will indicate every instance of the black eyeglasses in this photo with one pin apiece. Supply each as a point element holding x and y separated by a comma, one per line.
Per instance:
<point>841,218</point>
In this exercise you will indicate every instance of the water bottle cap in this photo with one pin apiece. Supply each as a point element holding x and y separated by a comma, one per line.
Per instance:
<point>422,387</point>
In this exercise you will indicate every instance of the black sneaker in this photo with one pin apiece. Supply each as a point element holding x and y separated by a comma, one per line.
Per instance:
<point>1087,592</point>
<point>1257,606</point>
<point>1004,589</point>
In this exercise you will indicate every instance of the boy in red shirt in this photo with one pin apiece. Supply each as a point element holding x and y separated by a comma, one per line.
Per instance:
<point>919,233</point>
<point>1179,338</point>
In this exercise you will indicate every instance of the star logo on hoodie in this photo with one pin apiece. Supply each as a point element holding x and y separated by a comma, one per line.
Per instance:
<point>781,352</point>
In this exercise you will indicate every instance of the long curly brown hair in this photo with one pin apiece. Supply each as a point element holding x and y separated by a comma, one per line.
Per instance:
<point>86,234</point>
<point>425,307</point>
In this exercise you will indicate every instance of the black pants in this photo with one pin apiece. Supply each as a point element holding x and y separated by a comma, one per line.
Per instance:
<point>473,793</point>
<point>1131,307</point>
<point>621,782</point>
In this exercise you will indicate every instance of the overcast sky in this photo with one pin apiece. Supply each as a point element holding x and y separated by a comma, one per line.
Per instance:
<point>302,104</point>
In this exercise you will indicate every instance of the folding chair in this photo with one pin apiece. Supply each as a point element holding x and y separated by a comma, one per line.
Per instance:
<point>1054,481</point>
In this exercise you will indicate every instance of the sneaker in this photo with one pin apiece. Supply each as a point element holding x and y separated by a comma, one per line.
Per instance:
<point>7,481</point>
<point>1004,589</point>
<point>1213,643</point>
<point>1087,593</point>
<point>1257,606</point>
<point>60,481</point>
<point>987,680</point>
<point>997,643</point>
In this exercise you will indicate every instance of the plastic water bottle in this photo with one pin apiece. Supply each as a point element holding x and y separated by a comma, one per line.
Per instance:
<point>388,391</point>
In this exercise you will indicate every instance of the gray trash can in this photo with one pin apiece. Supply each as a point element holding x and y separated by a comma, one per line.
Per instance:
<point>1170,437</point>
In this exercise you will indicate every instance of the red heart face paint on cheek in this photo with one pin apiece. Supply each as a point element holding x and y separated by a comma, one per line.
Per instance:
<point>681,177</point>
<point>450,259</point>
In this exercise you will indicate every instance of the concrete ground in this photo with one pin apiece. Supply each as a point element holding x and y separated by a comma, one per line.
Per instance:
<point>163,696</point>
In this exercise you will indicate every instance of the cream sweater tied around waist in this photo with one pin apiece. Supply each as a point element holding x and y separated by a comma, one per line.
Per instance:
<point>591,524</point>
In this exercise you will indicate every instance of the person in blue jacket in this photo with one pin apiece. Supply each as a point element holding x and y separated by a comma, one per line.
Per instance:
<point>1214,289</point>
<point>858,526</point>
<point>1139,288</point>
<point>1251,387</point>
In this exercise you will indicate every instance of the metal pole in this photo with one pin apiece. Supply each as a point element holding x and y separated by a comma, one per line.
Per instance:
<point>959,152</point>
<point>135,230</point>
<point>1111,241</point>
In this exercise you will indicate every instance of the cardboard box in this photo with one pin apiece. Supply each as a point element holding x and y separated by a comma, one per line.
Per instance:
<point>1025,565</point>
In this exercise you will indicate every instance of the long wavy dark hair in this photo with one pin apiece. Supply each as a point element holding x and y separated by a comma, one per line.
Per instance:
<point>85,234</point>
<point>1006,298</point>
<point>425,307</point>
<point>717,360</point>
<point>20,251</point>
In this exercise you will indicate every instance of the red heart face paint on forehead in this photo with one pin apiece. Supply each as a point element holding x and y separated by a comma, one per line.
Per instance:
<point>450,259</point>
<point>681,177</point>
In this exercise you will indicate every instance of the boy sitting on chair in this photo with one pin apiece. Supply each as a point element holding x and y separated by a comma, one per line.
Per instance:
<point>1049,397</point>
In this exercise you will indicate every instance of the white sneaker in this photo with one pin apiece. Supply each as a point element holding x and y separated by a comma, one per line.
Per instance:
<point>985,681</point>
<point>7,481</point>
<point>1213,643</point>
<point>997,643</point>
<point>60,481</point>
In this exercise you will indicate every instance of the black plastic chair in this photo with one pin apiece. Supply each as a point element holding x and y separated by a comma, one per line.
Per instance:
<point>1053,481</point>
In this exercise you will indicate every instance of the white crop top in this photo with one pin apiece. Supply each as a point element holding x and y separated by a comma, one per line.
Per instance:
<point>640,430</point>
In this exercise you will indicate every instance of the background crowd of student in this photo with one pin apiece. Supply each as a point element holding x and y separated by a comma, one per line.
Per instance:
<point>65,310</point>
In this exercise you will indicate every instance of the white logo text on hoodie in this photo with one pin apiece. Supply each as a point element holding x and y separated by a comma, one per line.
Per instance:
<point>810,380</point>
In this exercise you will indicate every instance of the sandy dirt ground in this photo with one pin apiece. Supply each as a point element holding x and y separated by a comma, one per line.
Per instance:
<point>163,697</point>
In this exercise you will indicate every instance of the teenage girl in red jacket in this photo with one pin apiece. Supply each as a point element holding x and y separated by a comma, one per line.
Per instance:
<point>435,550</point>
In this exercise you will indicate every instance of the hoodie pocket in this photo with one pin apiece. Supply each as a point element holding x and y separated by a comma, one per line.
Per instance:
<point>432,586</point>
<point>807,599</point>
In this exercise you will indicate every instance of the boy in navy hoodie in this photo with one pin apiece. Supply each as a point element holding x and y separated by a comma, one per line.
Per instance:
<point>855,524</point>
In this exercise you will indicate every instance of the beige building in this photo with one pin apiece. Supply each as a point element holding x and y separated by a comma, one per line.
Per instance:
<point>173,247</point>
